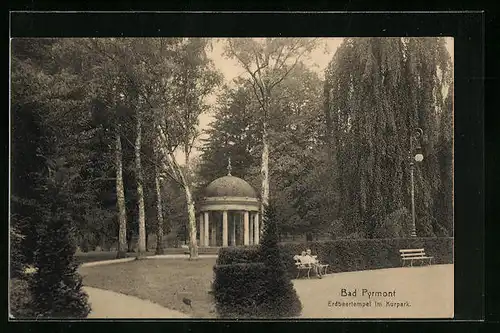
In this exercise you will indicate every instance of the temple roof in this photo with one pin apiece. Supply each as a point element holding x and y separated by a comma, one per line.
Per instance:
<point>230,186</point>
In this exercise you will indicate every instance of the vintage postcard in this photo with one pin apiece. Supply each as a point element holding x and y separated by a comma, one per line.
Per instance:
<point>224,178</point>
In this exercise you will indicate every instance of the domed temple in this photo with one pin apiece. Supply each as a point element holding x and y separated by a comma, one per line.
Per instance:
<point>229,213</point>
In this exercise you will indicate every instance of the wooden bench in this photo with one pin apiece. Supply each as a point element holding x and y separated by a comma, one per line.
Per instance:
<point>411,255</point>
<point>301,267</point>
<point>323,268</point>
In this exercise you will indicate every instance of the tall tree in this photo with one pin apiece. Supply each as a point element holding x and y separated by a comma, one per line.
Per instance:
<point>109,89</point>
<point>268,62</point>
<point>301,180</point>
<point>380,90</point>
<point>63,121</point>
<point>172,77</point>
<point>234,133</point>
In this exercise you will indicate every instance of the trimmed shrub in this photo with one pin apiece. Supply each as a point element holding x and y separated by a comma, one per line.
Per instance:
<point>282,299</point>
<point>238,289</point>
<point>253,281</point>
<point>345,255</point>
<point>250,254</point>
<point>236,255</point>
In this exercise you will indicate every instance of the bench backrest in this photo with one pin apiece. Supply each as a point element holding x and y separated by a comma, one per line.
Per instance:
<point>407,253</point>
<point>299,262</point>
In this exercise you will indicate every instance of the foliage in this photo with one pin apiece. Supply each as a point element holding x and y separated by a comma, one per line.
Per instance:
<point>167,78</point>
<point>71,97</point>
<point>300,177</point>
<point>267,62</point>
<point>239,255</point>
<point>395,225</point>
<point>282,298</point>
<point>253,281</point>
<point>17,259</point>
<point>345,255</point>
<point>20,298</point>
<point>238,289</point>
<point>56,286</point>
<point>51,118</point>
<point>233,133</point>
<point>378,91</point>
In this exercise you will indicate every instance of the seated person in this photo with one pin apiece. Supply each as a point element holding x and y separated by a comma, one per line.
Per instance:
<point>311,260</point>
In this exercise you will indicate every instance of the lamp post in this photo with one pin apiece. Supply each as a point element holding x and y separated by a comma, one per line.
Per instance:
<point>415,156</point>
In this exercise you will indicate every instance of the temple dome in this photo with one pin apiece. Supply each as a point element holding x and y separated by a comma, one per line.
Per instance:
<point>230,186</point>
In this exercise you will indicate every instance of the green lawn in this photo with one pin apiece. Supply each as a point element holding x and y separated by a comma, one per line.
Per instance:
<point>162,281</point>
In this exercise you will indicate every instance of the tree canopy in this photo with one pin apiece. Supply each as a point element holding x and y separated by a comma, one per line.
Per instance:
<point>379,91</point>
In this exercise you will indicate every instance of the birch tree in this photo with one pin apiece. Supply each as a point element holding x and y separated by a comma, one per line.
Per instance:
<point>120,198</point>
<point>194,78</point>
<point>108,86</point>
<point>172,78</point>
<point>267,62</point>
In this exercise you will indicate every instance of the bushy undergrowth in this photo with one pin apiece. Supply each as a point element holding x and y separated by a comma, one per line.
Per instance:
<point>20,298</point>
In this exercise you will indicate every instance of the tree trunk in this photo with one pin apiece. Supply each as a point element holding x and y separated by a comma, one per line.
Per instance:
<point>120,200</point>
<point>264,173</point>
<point>159,210</point>
<point>193,245</point>
<point>141,248</point>
<point>171,164</point>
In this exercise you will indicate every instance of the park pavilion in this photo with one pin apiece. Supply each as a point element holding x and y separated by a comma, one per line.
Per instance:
<point>229,213</point>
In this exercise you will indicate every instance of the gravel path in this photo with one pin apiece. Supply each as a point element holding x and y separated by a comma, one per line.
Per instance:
<point>411,292</point>
<point>108,304</point>
<point>428,291</point>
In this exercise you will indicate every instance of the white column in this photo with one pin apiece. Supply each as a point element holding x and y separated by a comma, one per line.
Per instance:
<point>202,229</point>
<point>224,228</point>
<point>252,216</point>
<point>245,228</point>
<point>256,229</point>
<point>206,229</point>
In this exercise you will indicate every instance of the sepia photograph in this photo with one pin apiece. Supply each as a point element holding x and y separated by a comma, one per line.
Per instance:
<point>231,178</point>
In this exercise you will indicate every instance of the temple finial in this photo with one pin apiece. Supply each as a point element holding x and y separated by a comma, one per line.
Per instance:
<point>229,166</point>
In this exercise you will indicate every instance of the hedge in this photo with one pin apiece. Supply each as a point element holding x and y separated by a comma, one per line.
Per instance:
<point>346,255</point>
<point>366,254</point>
<point>252,254</point>
<point>238,255</point>
<point>241,290</point>
<point>236,289</point>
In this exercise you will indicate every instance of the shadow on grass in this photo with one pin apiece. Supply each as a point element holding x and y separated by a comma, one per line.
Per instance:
<point>93,256</point>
